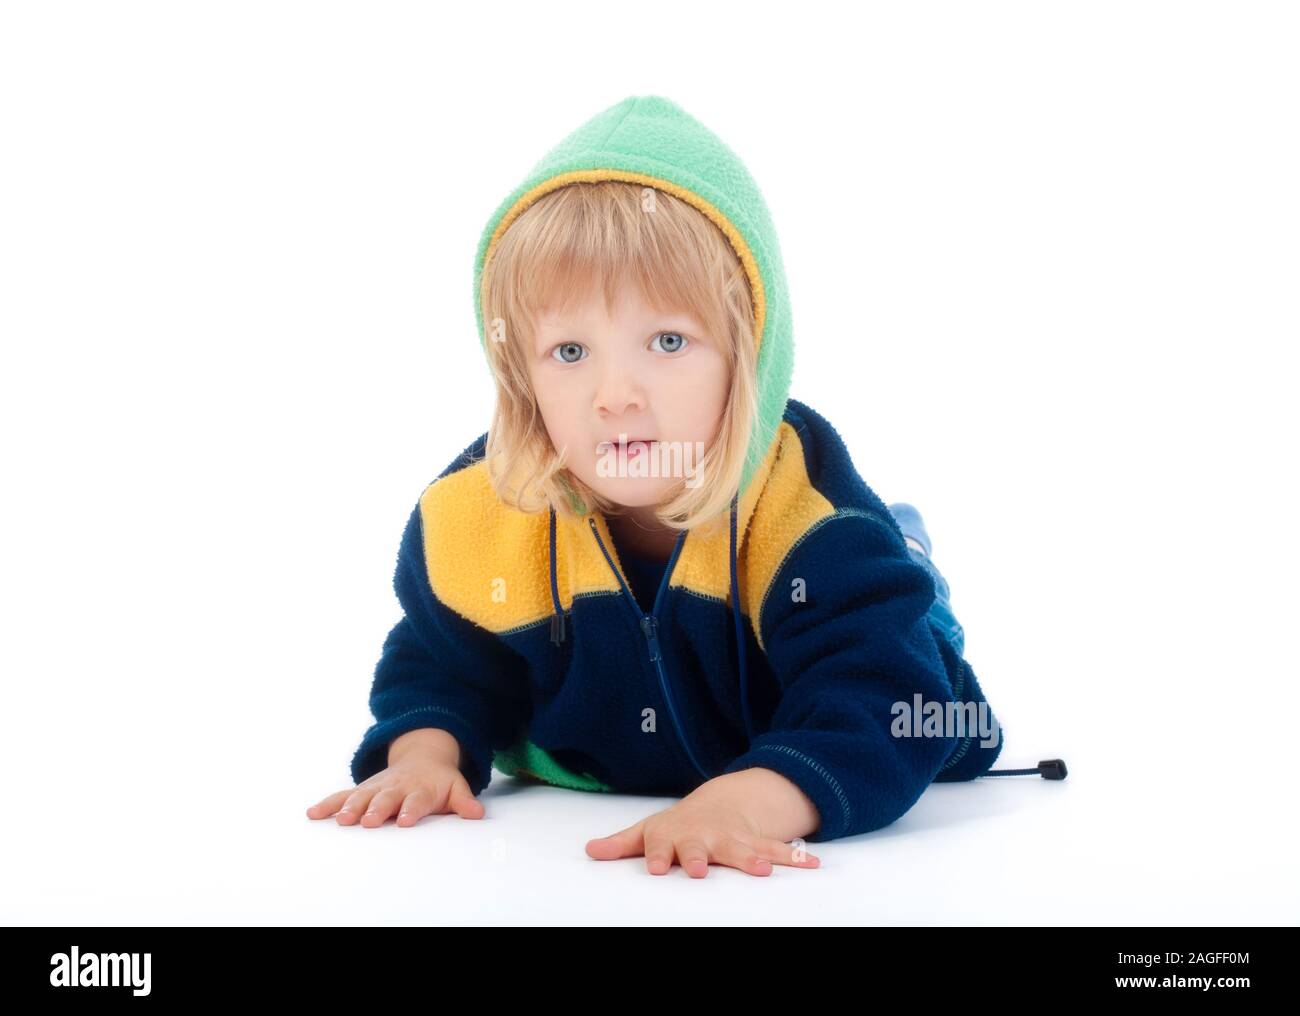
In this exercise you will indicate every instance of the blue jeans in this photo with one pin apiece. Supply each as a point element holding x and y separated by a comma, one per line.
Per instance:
<point>941,616</point>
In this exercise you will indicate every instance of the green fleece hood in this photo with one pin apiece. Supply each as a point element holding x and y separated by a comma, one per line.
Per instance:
<point>650,140</point>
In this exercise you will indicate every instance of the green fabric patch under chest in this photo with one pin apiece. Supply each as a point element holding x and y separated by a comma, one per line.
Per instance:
<point>525,759</point>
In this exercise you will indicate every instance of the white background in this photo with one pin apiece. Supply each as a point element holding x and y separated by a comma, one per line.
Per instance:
<point>1043,264</point>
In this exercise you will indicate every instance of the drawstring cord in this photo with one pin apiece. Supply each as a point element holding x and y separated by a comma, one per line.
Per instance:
<point>1050,769</point>
<point>740,629</point>
<point>557,619</point>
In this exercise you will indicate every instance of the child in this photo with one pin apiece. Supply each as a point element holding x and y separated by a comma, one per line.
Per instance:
<point>656,573</point>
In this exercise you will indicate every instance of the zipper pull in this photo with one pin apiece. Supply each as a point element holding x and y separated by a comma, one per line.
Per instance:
<point>557,628</point>
<point>650,626</point>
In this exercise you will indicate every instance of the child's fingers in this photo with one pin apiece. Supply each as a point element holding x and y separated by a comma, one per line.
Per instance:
<point>736,854</point>
<point>693,856</point>
<point>462,802</point>
<point>328,806</point>
<point>356,803</point>
<point>371,807</point>
<point>627,842</point>
<point>658,856</point>
<point>783,853</point>
<point>418,803</point>
<point>382,805</point>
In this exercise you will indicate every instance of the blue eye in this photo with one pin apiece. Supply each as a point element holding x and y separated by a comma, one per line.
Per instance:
<point>676,341</point>
<point>558,352</point>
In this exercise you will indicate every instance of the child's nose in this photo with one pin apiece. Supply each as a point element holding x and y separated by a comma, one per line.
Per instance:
<point>621,397</point>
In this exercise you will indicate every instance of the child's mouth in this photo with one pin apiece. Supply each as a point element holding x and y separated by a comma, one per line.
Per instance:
<point>633,447</point>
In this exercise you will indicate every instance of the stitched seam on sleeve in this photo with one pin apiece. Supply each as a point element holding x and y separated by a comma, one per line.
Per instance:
<point>427,709</point>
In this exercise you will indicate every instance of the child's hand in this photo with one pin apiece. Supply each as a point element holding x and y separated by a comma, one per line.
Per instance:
<point>423,778</point>
<point>712,823</point>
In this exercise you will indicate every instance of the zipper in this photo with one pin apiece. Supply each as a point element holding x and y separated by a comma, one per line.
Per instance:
<point>649,625</point>
<point>960,751</point>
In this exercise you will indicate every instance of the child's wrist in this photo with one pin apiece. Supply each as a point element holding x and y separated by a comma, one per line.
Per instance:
<point>426,741</point>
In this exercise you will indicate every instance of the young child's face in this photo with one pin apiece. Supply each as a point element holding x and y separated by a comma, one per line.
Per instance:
<point>654,376</point>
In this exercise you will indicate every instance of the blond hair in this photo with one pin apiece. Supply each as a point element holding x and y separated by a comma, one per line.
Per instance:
<point>560,247</point>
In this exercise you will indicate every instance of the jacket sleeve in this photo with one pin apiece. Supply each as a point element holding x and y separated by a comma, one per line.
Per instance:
<point>845,652</point>
<point>439,669</point>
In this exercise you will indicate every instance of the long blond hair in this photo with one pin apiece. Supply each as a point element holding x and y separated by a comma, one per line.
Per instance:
<point>611,233</point>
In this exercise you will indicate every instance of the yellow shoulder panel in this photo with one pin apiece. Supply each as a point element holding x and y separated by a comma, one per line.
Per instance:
<point>789,507</point>
<point>486,560</point>
<point>490,562</point>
